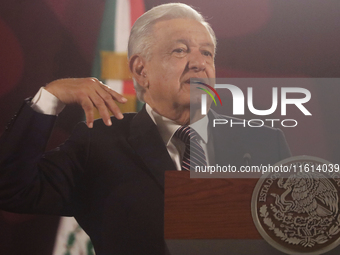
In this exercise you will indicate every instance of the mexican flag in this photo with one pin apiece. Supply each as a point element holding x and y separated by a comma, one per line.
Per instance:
<point>111,63</point>
<point>111,67</point>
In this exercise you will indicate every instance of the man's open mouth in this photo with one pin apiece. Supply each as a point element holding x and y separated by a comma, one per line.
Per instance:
<point>196,81</point>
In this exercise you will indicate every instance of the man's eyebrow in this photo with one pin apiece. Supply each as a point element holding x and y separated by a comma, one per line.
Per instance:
<point>208,44</point>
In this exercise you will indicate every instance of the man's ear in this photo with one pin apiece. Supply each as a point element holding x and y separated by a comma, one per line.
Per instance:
<point>138,70</point>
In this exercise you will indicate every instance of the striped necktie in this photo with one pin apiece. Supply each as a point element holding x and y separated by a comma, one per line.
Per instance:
<point>193,154</point>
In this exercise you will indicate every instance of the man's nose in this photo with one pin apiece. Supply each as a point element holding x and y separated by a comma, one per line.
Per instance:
<point>196,62</point>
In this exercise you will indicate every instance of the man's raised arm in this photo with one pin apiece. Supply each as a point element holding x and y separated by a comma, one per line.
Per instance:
<point>32,181</point>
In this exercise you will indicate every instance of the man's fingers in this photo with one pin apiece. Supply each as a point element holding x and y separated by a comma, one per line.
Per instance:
<point>109,101</point>
<point>115,95</point>
<point>102,108</point>
<point>87,106</point>
<point>114,109</point>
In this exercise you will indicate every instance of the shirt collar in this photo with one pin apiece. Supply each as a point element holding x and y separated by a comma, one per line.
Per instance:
<point>168,127</point>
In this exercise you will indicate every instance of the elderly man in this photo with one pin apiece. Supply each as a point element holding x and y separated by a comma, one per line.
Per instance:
<point>109,174</point>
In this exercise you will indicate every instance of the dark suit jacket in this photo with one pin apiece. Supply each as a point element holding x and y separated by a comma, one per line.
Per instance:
<point>111,179</point>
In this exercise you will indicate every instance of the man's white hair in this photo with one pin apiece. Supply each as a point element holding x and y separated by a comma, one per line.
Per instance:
<point>140,40</point>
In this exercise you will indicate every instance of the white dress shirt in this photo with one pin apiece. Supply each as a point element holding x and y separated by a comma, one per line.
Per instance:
<point>46,103</point>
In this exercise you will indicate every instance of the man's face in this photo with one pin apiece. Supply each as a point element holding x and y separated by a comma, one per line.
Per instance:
<point>182,49</point>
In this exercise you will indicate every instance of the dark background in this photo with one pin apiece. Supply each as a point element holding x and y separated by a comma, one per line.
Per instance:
<point>43,40</point>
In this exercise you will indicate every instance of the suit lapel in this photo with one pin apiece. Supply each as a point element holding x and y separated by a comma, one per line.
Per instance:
<point>148,144</point>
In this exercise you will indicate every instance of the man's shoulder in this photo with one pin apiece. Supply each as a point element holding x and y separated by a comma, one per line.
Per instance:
<point>116,123</point>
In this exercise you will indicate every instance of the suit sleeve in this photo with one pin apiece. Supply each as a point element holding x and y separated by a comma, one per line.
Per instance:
<point>32,181</point>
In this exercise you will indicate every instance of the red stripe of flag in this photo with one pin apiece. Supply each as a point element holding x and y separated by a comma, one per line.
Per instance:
<point>128,87</point>
<point>136,10</point>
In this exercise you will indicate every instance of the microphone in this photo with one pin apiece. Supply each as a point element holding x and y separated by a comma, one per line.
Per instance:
<point>246,158</point>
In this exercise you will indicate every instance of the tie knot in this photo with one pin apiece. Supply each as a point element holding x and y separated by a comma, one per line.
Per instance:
<point>185,133</point>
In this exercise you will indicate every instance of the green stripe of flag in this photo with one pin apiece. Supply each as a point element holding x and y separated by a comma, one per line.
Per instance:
<point>106,36</point>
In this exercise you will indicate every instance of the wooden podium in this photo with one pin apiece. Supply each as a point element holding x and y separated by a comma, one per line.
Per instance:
<point>208,208</point>
<point>212,216</point>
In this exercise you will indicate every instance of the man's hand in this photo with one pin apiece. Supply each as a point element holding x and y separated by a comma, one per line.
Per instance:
<point>90,93</point>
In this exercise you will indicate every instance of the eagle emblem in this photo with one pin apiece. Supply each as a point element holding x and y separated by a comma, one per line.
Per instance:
<point>298,213</point>
<point>311,193</point>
